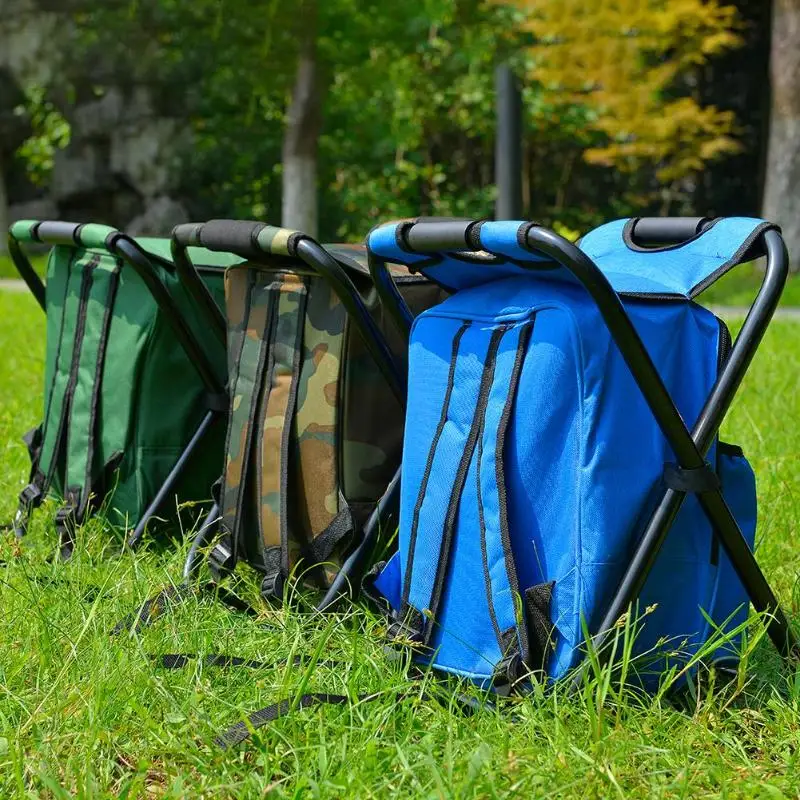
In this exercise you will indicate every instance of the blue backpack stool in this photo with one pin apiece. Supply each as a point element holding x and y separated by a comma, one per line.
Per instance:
<point>549,479</point>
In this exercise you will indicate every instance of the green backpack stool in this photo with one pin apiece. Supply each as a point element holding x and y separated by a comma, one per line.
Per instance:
<point>134,381</point>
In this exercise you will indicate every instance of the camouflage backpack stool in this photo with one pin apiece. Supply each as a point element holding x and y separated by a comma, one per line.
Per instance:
<point>316,416</point>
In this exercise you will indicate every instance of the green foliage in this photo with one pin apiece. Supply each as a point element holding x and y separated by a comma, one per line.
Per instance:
<point>612,126</point>
<point>51,132</point>
<point>407,102</point>
<point>85,715</point>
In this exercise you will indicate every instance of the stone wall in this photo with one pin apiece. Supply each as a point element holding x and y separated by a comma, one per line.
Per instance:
<point>120,165</point>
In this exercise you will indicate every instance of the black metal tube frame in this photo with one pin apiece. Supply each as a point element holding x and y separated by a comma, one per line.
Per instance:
<point>689,448</point>
<point>122,246</point>
<point>321,262</point>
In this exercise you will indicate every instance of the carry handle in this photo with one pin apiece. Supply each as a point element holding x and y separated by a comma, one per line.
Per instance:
<point>649,231</point>
<point>244,238</point>
<point>437,236</point>
<point>57,233</point>
<point>248,239</point>
<point>441,236</point>
<point>254,241</point>
<point>69,234</point>
<point>54,233</point>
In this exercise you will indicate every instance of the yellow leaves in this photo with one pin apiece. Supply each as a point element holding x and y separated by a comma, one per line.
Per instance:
<point>622,58</point>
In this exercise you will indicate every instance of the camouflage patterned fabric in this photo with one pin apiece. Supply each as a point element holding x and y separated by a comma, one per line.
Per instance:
<point>276,414</point>
<point>315,433</point>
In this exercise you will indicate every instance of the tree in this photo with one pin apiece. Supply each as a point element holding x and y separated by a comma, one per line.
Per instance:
<point>632,64</point>
<point>782,188</point>
<point>301,137</point>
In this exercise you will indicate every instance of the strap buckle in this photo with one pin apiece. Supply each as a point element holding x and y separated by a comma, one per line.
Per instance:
<point>66,521</point>
<point>29,498</point>
<point>506,673</point>
<point>406,628</point>
<point>272,587</point>
<point>65,518</point>
<point>221,560</point>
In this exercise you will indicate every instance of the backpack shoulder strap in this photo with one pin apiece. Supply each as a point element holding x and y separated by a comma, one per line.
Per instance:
<point>682,269</point>
<point>266,322</point>
<point>66,292</point>
<point>469,440</point>
<point>276,428</point>
<point>250,312</point>
<point>81,469</point>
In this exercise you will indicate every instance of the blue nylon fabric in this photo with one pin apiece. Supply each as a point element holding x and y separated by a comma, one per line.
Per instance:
<point>382,241</point>
<point>467,379</point>
<point>486,482</point>
<point>677,270</point>
<point>583,463</point>
<point>501,238</point>
<point>387,582</point>
<point>455,274</point>
<point>465,638</point>
<point>674,271</point>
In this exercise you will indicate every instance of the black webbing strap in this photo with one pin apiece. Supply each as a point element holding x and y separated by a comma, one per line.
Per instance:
<point>81,474</point>
<point>90,474</point>
<point>244,404</point>
<point>695,481</point>
<point>279,401</point>
<point>66,521</point>
<point>242,731</point>
<point>33,494</point>
<point>171,596</point>
<point>66,518</point>
<point>320,549</point>
<point>29,498</point>
<point>182,660</point>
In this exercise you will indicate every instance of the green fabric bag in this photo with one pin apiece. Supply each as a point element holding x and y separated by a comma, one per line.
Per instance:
<point>132,418</point>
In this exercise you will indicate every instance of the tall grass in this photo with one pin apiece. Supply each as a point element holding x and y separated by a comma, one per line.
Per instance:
<point>83,714</point>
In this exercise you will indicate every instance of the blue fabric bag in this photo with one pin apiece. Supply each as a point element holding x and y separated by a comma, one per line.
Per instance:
<point>531,460</point>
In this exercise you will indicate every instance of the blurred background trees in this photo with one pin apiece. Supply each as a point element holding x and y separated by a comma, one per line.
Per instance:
<point>336,114</point>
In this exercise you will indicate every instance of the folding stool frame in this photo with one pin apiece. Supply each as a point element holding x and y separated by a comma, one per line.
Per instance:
<point>116,243</point>
<point>427,237</point>
<point>255,242</point>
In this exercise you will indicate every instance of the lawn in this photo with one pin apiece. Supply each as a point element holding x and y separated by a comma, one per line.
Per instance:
<point>86,715</point>
<point>8,270</point>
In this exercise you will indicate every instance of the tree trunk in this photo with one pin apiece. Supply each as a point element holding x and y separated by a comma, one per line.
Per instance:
<point>782,189</point>
<point>300,139</point>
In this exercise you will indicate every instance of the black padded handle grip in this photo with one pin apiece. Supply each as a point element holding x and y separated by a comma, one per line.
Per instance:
<point>56,232</point>
<point>436,236</point>
<point>223,235</point>
<point>667,230</point>
<point>245,238</point>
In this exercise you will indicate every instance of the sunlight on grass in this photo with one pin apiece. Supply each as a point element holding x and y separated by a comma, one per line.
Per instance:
<point>82,714</point>
<point>8,270</point>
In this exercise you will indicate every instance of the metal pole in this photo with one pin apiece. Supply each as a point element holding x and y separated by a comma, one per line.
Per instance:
<point>508,144</point>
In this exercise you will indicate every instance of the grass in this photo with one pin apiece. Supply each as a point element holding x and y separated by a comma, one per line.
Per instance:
<point>739,287</point>
<point>8,270</point>
<point>85,715</point>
